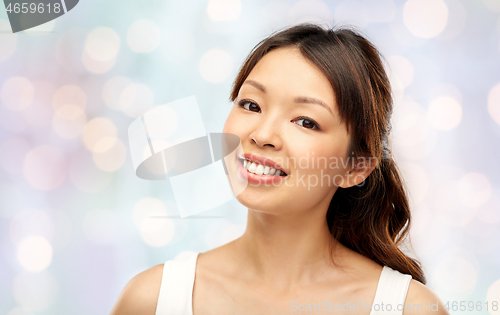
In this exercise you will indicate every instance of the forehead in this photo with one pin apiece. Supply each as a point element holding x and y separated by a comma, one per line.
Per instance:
<point>287,67</point>
<point>285,71</point>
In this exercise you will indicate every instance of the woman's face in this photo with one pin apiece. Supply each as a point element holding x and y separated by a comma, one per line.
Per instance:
<point>278,106</point>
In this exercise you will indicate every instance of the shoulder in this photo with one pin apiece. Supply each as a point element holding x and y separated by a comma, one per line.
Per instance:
<point>420,300</point>
<point>140,294</point>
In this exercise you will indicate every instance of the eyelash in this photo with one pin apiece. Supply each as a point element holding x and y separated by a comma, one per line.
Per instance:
<point>242,103</point>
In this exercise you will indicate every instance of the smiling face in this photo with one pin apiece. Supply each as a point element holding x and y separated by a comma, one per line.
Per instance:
<point>288,106</point>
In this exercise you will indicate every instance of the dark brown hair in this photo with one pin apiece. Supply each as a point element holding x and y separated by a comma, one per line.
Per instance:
<point>372,218</point>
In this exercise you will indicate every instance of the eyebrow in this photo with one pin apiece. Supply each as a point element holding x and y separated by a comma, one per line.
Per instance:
<point>299,99</point>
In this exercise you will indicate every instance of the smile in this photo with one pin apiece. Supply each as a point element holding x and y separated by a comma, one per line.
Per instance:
<point>258,173</point>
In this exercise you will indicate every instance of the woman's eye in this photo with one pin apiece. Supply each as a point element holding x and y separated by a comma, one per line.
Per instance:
<point>250,106</point>
<point>308,123</point>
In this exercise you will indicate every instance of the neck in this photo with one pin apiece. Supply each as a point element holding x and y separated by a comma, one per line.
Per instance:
<point>287,250</point>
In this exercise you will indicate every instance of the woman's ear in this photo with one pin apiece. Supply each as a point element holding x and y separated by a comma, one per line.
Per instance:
<point>363,166</point>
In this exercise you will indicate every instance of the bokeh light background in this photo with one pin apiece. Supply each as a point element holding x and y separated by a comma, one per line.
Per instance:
<point>75,222</point>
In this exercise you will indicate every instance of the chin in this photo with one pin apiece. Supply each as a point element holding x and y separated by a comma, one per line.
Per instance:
<point>264,204</point>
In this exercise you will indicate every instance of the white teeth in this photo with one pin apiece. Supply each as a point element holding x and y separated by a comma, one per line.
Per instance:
<point>266,170</point>
<point>252,168</point>
<point>260,169</point>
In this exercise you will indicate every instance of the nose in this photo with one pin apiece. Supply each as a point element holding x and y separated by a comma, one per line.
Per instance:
<point>267,133</point>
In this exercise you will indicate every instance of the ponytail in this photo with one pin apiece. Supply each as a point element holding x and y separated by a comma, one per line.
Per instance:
<point>374,218</point>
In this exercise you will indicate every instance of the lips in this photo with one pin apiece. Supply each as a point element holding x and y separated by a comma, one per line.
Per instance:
<point>258,179</point>
<point>264,161</point>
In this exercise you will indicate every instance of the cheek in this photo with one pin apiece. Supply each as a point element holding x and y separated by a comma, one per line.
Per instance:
<point>230,123</point>
<point>236,124</point>
<point>328,160</point>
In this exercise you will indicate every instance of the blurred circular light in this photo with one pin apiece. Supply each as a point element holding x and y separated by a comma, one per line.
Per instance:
<point>494,103</point>
<point>493,296</point>
<point>157,232</point>
<point>413,137</point>
<point>143,36</point>
<point>69,94</point>
<point>112,156</point>
<point>86,176</point>
<point>402,69</point>
<point>45,167</point>
<point>8,42</point>
<point>17,93</point>
<point>224,10</point>
<point>99,226</point>
<point>216,65</point>
<point>444,113</point>
<point>69,121</point>
<point>425,18</point>
<point>112,90</point>
<point>102,44</point>
<point>34,253</point>
<point>97,66</point>
<point>35,291</point>
<point>97,129</point>
<point>150,218</point>
<point>136,99</point>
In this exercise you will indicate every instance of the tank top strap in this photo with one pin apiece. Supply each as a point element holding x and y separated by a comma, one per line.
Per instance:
<point>176,289</point>
<point>391,290</point>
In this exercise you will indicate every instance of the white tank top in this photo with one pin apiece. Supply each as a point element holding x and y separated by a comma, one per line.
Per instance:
<point>176,290</point>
